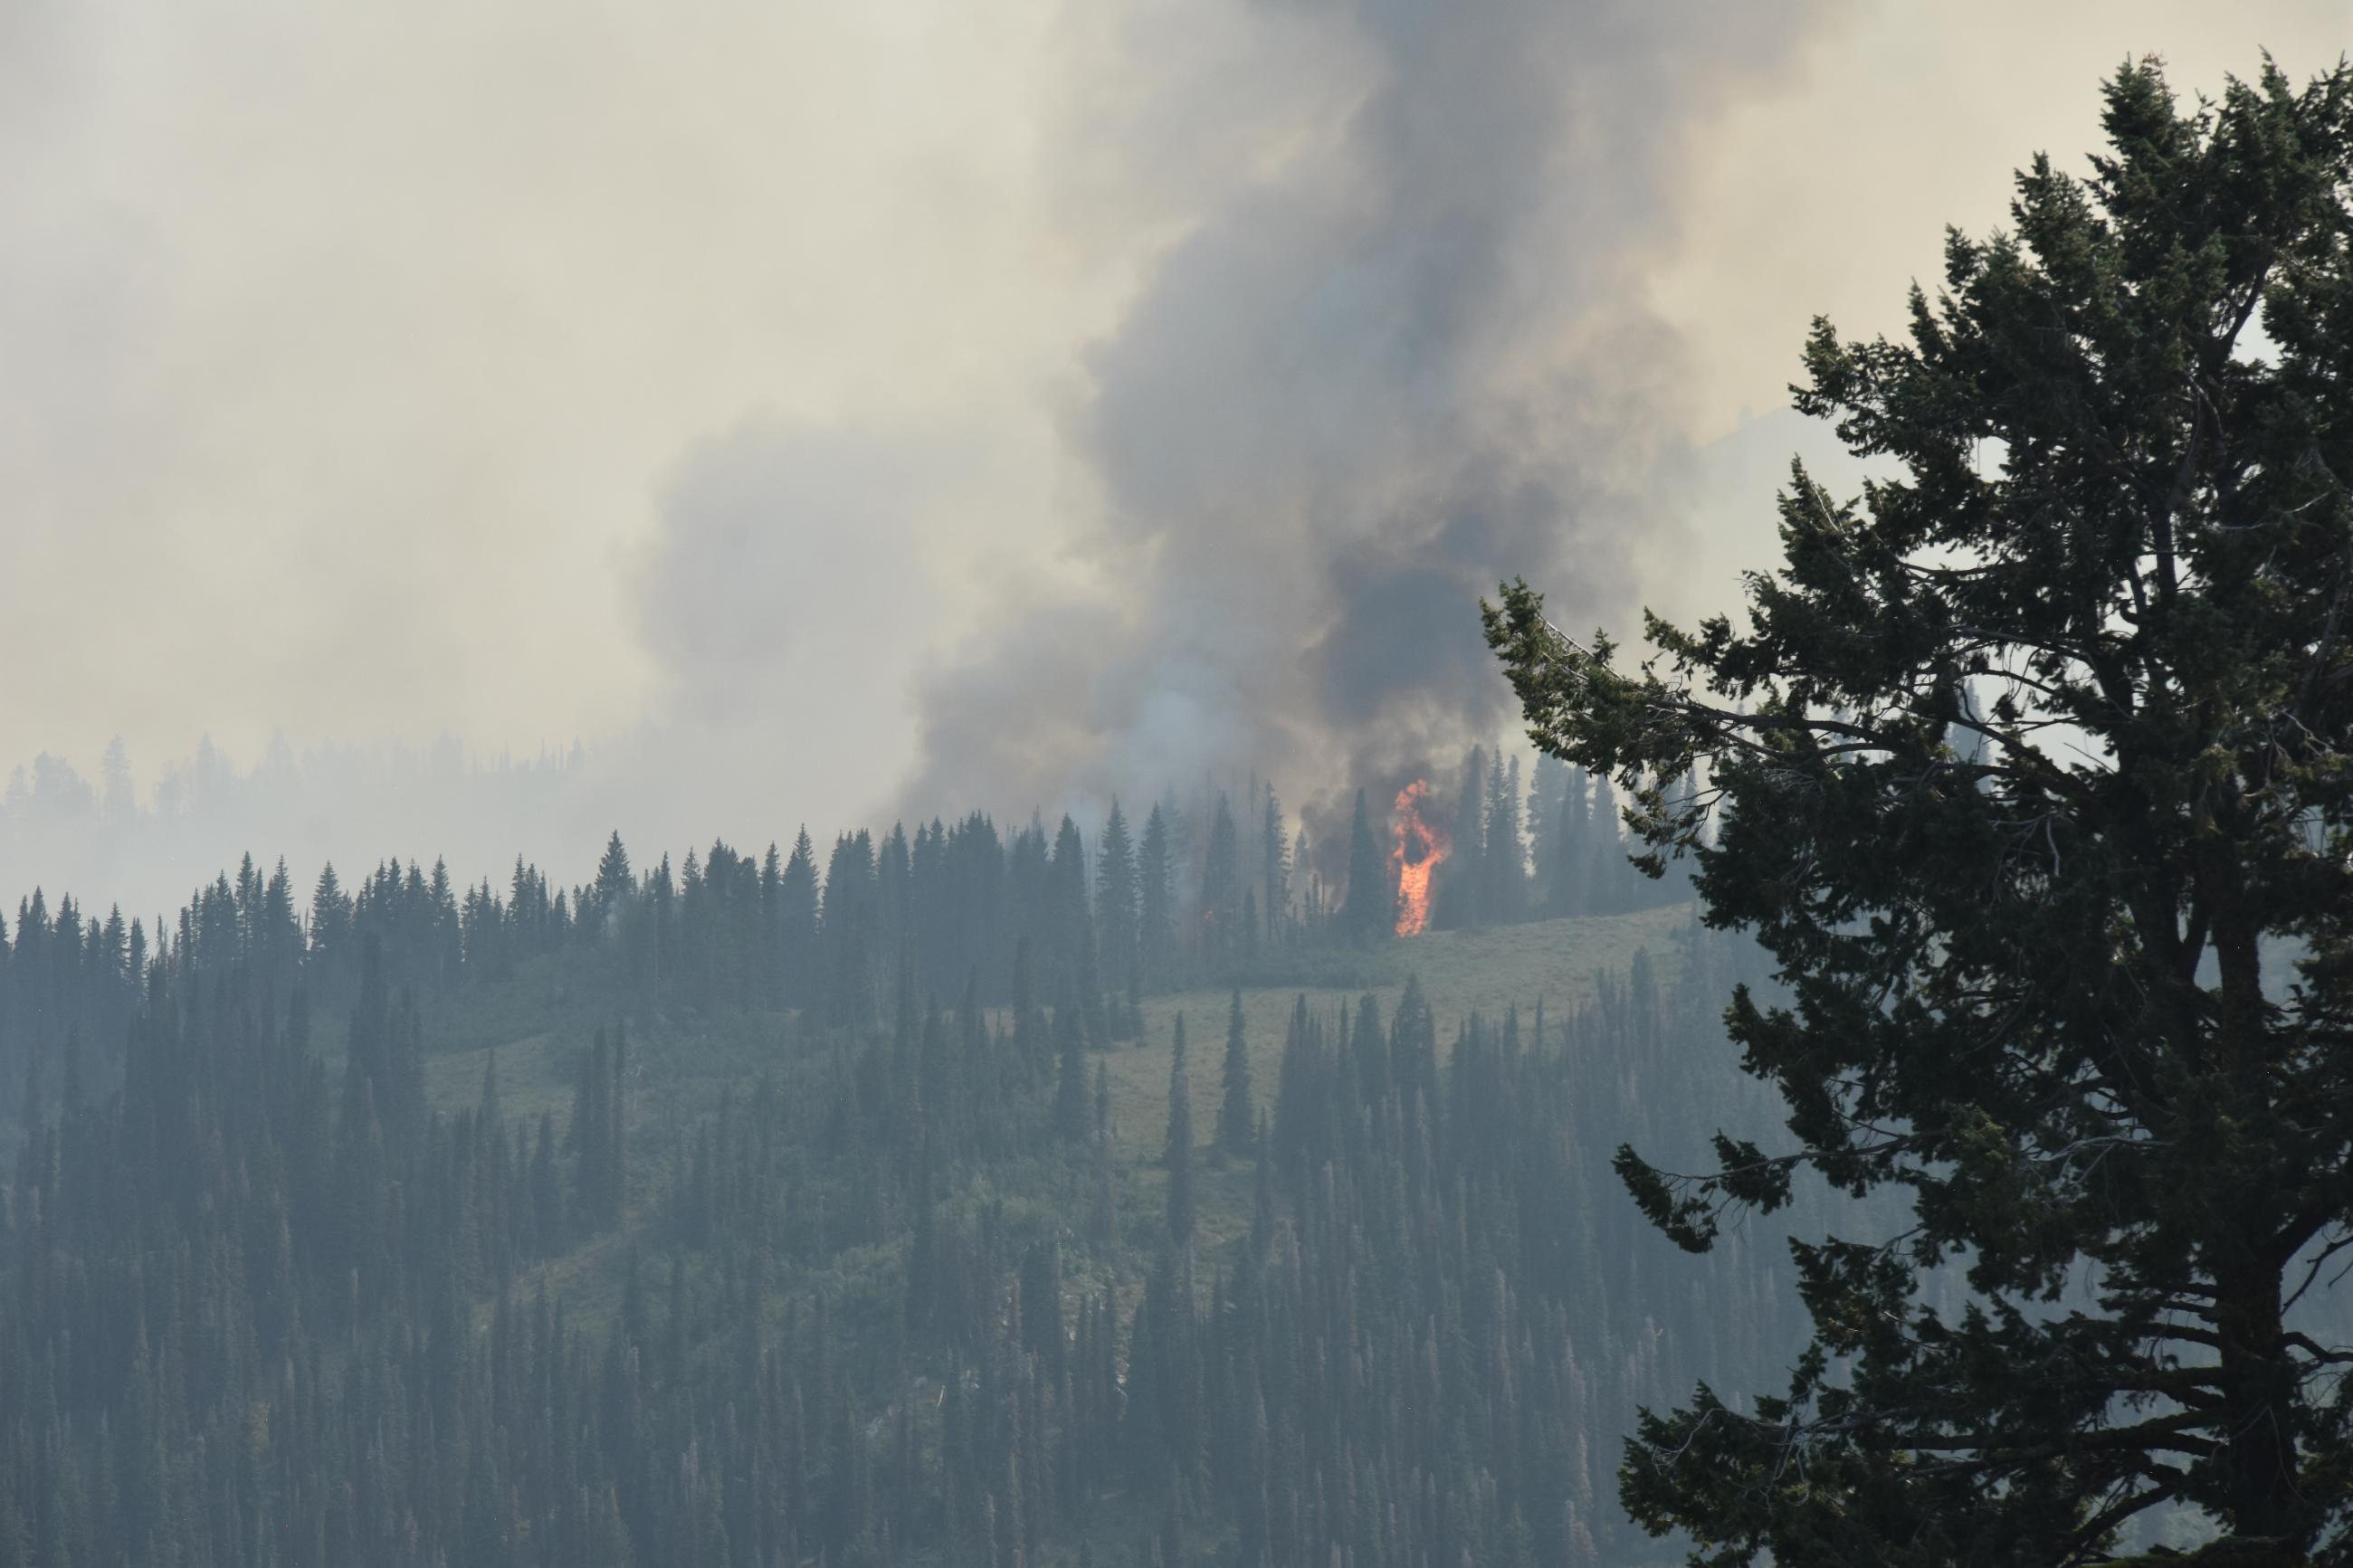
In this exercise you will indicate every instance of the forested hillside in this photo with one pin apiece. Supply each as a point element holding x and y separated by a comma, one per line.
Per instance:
<point>961,1199</point>
<point>690,1217</point>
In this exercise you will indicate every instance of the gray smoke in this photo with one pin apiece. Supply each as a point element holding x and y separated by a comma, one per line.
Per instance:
<point>1413,360</point>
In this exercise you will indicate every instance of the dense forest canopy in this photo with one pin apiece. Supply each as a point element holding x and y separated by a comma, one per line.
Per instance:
<point>1199,887</point>
<point>890,1278</point>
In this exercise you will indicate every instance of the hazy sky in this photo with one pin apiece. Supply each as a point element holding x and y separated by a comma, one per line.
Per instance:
<point>539,372</point>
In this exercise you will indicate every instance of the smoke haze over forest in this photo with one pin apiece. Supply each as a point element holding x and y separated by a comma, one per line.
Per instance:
<point>709,420</point>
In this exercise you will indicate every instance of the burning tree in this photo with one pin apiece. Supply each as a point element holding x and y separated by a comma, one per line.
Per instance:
<point>1419,848</point>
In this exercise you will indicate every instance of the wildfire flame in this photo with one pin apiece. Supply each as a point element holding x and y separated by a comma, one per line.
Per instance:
<point>1421,847</point>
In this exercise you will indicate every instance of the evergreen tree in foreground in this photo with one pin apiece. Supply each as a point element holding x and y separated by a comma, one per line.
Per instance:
<point>2037,769</point>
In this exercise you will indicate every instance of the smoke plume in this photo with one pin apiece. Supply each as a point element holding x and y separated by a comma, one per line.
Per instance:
<point>1410,356</point>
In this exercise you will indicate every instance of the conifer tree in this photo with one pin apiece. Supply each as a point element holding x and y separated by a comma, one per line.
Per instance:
<point>1506,853</point>
<point>1067,924</point>
<point>2028,985</point>
<point>1237,1115</point>
<point>1609,880</point>
<point>846,933</point>
<point>1115,902</point>
<point>1261,1192</point>
<point>590,1131</point>
<point>28,1106</point>
<point>1310,885</point>
<point>1565,851</point>
<point>1177,1154</point>
<point>1463,881</point>
<point>892,876</point>
<point>1071,1069</point>
<point>546,1189</point>
<point>614,883</point>
<point>1274,854</point>
<point>1370,913</point>
<point>331,917</point>
<point>616,1133</point>
<point>1220,921</point>
<point>797,911</point>
<point>1103,1209</point>
<point>1156,901</point>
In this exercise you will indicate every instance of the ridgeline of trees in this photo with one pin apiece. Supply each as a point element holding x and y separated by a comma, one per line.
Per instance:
<point>1135,912</point>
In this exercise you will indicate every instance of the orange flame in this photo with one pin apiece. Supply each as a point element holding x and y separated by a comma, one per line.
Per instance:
<point>1421,847</point>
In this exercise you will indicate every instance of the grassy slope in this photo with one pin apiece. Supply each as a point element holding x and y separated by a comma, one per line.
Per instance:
<point>537,1028</point>
<point>1485,972</point>
<point>1461,972</point>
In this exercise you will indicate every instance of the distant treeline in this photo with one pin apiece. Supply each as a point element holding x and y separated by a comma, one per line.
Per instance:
<point>1200,891</point>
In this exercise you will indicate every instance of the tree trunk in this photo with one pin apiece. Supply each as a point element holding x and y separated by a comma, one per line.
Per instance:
<point>2258,1377</point>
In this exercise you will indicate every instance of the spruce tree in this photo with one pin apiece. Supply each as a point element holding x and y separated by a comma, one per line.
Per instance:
<point>331,918</point>
<point>1156,902</point>
<point>1115,902</point>
<point>616,1133</point>
<point>1311,910</point>
<point>1274,854</point>
<point>1564,853</point>
<point>590,1125</point>
<point>1609,879</point>
<point>1071,1069</point>
<point>846,931</point>
<point>1066,920</point>
<point>2083,992</point>
<point>1545,786</point>
<point>1103,1209</point>
<point>1370,913</point>
<point>1221,887</point>
<point>1177,1155</point>
<point>1462,890</point>
<point>1237,1116</point>
<point>797,928</point>
<point>1506,853</point>
<point>613,881</point>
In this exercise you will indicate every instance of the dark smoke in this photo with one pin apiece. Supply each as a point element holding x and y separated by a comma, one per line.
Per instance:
<point>1357,393</point>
